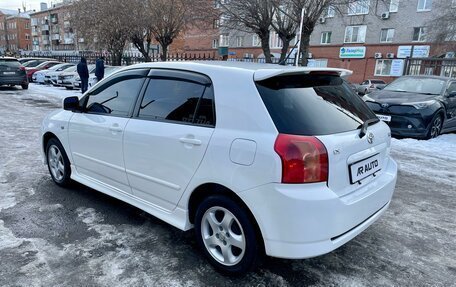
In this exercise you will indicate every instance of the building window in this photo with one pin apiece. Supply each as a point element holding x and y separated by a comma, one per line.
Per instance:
<point>27,25</point>
<point>394,6</point>
<point>386,35</point>
<point>419,34</point>
<point>383,67</point>
<point>239,41</point>
<point>256,42</point>
<point>275,41</point>
<point>224,40</point>
<point>216,24</point>
<point>358,7</point>
<point>326,37</point>
<point>355,34</point>
<point>424,5</point>
<point>331,12</point>
<point>27,37</point>
<point>215,43</point>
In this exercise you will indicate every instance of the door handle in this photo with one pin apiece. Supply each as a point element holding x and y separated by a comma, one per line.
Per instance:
<point>190,141</point>
<point>115,128</point>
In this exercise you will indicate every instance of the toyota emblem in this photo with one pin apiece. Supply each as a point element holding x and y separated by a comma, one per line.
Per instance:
<point>370,138</point>
<point>385,105</point>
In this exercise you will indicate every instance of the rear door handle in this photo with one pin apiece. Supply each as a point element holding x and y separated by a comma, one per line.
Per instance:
<point>190,141</point>
<point>115,128</point>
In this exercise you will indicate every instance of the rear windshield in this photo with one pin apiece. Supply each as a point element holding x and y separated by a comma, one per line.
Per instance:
<point>312,104</point>
<point>7,64</point>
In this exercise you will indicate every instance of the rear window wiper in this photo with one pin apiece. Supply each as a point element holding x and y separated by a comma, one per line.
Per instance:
<point>364,126</point>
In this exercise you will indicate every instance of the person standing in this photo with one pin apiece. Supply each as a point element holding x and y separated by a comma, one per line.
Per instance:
<point>83,73</point>
<point>99,68</point>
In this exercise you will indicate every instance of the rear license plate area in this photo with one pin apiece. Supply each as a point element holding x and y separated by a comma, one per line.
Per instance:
<point>364,168</point>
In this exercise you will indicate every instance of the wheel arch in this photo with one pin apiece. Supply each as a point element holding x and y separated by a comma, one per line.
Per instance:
<point>46,137</point>
<point>208,189</point>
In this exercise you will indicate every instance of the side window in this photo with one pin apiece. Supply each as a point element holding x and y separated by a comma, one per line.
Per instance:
<point>451,88</point>
<point>365,83</point>
<point>117,99</point>
<point>177,100</point>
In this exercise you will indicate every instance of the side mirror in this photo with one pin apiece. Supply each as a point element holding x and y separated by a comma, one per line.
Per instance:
<point>452,94</point>
<point>71,104</point>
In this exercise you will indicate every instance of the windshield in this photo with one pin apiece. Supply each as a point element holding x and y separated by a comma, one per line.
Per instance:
<point>428,86</point>
<point>31,64</point>
<point>308,104</point>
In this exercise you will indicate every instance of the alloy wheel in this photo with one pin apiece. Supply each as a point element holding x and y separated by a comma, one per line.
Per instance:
<point>436,127</point>
<point>56,164</point>
<point>223,236</point>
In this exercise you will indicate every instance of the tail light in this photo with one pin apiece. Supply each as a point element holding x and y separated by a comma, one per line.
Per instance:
<point>304,159</point>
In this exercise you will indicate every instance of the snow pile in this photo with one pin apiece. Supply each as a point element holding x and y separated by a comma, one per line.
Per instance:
<point>434,159</point>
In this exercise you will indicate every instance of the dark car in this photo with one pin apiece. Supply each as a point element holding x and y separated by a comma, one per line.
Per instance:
<point>417,106</point>
<point>12,73</point>
<point>25,60</point>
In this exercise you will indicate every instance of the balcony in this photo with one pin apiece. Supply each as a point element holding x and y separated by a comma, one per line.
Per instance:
<point>68,41</point>
<point>35,43</point>
<point>34,32</point>
<point>34,21</point>
<point>45,28</point>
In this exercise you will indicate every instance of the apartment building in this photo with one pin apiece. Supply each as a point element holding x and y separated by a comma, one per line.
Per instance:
<point>52,30</point>
<point>15,32</point>
<point>370,37</point>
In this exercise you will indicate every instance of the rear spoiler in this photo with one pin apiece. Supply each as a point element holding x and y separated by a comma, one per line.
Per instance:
<point>264,74</point>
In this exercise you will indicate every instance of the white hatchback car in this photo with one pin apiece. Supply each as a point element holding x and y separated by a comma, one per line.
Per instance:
<point>260,159</point>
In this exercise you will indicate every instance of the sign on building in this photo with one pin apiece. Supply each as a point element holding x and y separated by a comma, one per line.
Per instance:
<point>397,68</point>
<point>352,52</point>
<point>418,51</point>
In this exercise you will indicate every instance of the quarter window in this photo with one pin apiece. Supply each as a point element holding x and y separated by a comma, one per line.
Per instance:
<point>178,101</point>
<point>117,99</point>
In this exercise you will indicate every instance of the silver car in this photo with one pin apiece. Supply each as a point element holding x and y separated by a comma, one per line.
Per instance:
<point>370,85</point>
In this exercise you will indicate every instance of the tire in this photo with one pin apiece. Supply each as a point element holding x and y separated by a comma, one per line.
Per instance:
<point>69,88</point>
<point>435,127</point>
<point>24,86</point>
<point>227,236</point>
<point>58,163</point>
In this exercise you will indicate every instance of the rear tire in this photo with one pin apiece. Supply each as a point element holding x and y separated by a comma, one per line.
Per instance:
<point>24,86</point>
<point>227,236</point>
<point>435,128</point>
<point>58,163</point>
<point>68,88</point>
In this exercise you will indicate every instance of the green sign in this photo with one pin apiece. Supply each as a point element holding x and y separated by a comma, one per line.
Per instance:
<point>352,52</point>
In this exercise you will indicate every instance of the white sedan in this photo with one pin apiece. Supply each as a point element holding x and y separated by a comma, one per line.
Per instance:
<point>258,159</point>
<point>40,76</point>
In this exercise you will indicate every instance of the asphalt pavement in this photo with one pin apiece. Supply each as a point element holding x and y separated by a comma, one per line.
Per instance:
<point>51,236</point>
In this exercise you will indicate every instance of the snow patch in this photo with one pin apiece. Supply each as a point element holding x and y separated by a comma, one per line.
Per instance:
<point>50,207</point>
<point>7,238</point>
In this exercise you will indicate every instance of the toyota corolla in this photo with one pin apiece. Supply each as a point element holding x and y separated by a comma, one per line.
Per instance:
<point>258,159</point>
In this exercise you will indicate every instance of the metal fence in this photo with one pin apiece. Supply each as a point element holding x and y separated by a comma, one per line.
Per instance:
<point>128,58</point>
<point>431,66</point>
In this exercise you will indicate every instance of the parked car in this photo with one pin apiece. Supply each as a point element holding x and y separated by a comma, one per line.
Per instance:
<point>40,76</point>
<point>43,66</point>
<point>417,106</point>
<point>370,85</point>
<point>351,85</point>
<point>67,79</point>
<point>34,63</point>
<point>287,161</point>
<point>25,60</point>
<point>12,73</point>
<point>54,76</point>
<point>93,79</point>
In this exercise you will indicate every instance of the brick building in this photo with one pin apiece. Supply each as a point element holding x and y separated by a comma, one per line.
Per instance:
<point>52,30</point>
<point>370,37</point>
<point>15,33</point>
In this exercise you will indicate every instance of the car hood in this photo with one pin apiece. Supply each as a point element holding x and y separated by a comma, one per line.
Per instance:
<point>392,97</point>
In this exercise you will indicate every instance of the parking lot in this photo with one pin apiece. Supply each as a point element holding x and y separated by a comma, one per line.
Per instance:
<point>50,236</point>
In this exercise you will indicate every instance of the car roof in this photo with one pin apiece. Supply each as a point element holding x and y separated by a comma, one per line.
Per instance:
<point>259,71</point>
<point>430,77</point>
<point>8,58</point>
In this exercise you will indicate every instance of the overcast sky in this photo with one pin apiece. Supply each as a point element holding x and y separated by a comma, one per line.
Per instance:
<point>29,4</point>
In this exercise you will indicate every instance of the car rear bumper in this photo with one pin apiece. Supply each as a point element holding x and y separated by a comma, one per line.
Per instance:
<point>13,80</point>
<point>302,221</point>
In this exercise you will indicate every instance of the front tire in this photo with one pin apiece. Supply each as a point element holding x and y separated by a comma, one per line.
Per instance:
<point>58,163</point>
<point>226,235</point>
<point>435,127</point>
<point>69,88</point>
<point>24,86</point>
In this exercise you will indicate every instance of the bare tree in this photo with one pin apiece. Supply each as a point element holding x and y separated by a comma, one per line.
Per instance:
<point>251,16</point>
<point>105,24</point>
<point>442,30</point>
<point>284,25</point>
<point>141,33</point>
